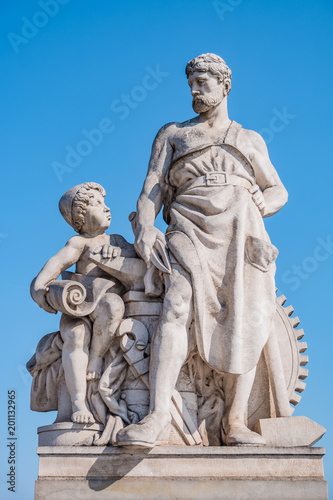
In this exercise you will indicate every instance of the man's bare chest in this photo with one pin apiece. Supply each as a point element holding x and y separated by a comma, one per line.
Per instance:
<point>195,138</point>
<point>192,138</point>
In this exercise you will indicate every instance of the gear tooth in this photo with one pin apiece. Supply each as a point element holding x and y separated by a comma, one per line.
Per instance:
<point>281,300</point>
<point>291,323</point>
<point>300,386</point>
<point>303,373</point>
<point>294,321</point>
<point>299,333</point>
<point>295,399</point>
<point>302,346</point>
<point>289,310</point>
<point>303,359</point>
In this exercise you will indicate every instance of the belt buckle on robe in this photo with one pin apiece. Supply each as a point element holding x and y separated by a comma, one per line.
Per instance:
<point>216,178</point>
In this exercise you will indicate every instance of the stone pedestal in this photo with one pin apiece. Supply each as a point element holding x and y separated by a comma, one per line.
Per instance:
<point>180,472</point>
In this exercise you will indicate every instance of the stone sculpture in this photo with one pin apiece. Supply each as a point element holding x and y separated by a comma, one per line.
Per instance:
<point>87,334</point>
<point>178,339</point>
<point>216,183</point>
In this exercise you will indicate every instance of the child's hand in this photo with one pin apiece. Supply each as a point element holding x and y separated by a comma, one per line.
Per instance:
<point>108,251</point>
<point>39,296</point>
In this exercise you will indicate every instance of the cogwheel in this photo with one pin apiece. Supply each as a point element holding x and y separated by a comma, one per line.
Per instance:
<point>293,359</point>
<point>261,403</point>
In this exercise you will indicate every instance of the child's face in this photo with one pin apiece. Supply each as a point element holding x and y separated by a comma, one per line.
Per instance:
<point>97,215</point>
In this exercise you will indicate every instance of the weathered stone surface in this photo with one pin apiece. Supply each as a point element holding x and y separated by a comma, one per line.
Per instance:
<point>204,473</point>
<point>179,338</point>
<point>216,182</point>
<point>68,434</point>
<point>187,489</point>
<point>184,317</point>
<point>90,303</point>
<point>290,431</point>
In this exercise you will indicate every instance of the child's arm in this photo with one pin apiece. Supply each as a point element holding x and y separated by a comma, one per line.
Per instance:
<point>118,246</point>
<point>62,260</point>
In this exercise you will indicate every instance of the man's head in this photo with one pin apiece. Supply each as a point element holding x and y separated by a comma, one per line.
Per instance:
<point>83,205</point>
<point>210,80</point>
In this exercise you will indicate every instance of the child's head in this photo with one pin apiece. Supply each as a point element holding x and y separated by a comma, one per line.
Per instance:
<point>82,202</point>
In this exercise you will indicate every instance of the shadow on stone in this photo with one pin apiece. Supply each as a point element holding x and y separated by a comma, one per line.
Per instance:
<point>99,475</point>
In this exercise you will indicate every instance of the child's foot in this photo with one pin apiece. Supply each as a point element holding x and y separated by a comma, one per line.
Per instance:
<point>94,370</point>
<point>81,414</point>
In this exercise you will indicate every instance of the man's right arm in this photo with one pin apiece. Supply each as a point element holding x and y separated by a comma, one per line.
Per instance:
<point>151,198</point>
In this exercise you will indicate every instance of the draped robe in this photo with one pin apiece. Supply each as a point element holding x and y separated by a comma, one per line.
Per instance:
<point>217,234</point>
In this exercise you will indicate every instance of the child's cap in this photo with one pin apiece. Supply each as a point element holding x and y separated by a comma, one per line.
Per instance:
<point>66,203</point>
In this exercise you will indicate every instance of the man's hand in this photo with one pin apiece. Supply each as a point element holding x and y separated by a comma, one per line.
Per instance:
<point>39,296</point>
<point>108,251</point>
<point>145,240</point>
<point>258,198</point>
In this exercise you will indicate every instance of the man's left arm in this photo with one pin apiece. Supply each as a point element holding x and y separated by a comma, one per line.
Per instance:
<point>273,195</point>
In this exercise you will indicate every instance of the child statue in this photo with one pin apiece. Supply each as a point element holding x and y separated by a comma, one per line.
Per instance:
<point>86,339</point>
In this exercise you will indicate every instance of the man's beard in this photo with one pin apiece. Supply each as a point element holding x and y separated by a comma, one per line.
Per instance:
<point>202,104</point>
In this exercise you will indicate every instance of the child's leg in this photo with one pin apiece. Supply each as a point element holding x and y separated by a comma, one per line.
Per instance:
<point>107,316</point>
<point>76,334</point>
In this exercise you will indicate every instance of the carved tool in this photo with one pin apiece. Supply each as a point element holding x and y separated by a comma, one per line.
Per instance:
<point>134,340</point>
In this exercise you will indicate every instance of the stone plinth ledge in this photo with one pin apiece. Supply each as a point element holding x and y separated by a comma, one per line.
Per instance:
<point>180,472</point>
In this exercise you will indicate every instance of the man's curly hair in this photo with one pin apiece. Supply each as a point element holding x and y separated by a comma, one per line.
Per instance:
<point>212,63</point>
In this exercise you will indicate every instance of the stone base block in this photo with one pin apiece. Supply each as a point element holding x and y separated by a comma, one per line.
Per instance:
<point>180,472</point>
<point>68,434</point>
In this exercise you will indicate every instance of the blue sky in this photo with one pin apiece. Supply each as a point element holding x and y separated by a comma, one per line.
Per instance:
<point>119,67</point>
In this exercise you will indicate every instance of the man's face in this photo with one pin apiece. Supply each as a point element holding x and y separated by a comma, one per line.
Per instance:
<point>206,90</point>
<point>97,215</point>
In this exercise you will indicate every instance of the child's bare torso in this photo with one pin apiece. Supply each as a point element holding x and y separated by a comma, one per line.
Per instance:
<point>89,245</point>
